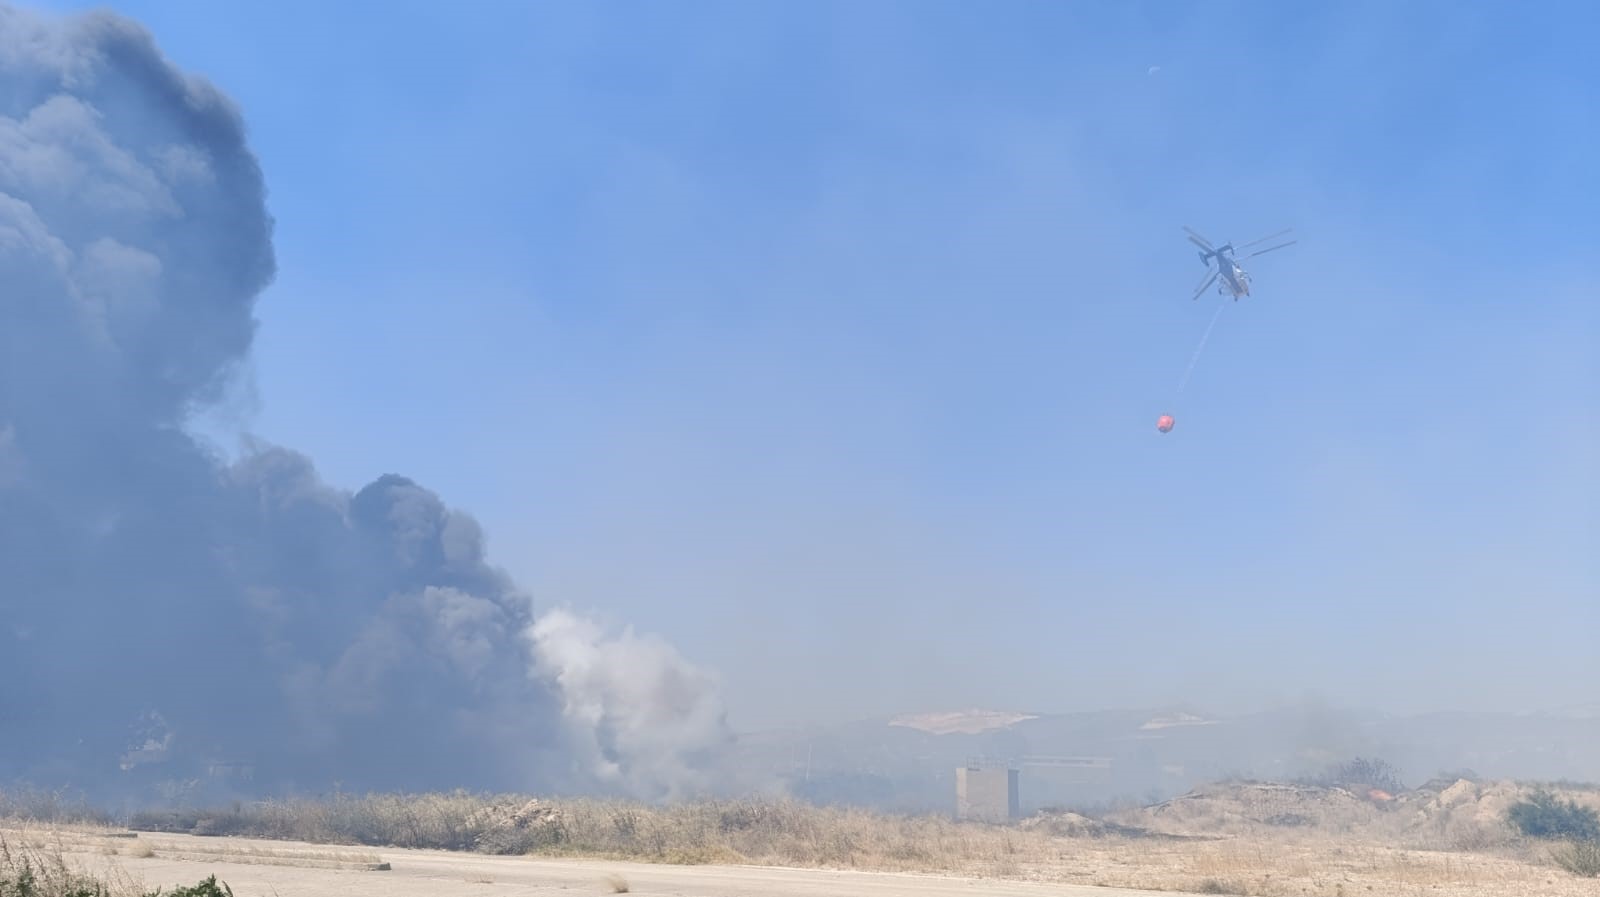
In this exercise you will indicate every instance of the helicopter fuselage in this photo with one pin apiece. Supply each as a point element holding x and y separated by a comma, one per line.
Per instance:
<point>1231,275</point>
<point>1234,280</point>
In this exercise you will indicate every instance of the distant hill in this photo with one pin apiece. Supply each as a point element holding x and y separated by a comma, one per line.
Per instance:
<point>908,762</point>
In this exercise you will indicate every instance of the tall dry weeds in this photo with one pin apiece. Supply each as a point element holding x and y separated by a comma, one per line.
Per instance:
<point>46,806</point>
<point>1336,846</point>
<point>772,832</point>
<point>32,869</point>
<point>1581,858</point>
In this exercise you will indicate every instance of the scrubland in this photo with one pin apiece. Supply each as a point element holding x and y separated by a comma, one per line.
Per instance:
<point>1248,838</point>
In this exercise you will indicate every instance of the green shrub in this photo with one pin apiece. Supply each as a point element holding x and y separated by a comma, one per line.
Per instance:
<point>53,880</point>
<point>1543,815</point>
<point>207,887</point>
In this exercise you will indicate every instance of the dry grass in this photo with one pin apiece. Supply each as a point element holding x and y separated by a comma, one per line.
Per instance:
<point>1247,839</point>
<point>1581,858</point>
<point>236,852</point>
<point>1308,865</point>
<point>87,841</point>
<point>57,807</point>
<point>33,866</point>
<point>777,833</point>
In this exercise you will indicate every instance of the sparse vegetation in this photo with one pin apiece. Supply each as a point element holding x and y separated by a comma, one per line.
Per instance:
<point>1361,774</point>
<point>777,832</point>
<point>1262,839</point>
<point>28,871</point>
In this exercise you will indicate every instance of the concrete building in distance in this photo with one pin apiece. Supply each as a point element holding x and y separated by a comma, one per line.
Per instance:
<point>987,793</point>
<point>1055,781</point>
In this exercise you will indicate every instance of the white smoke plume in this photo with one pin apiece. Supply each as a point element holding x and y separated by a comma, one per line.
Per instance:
<point>642,710</point>
<point>163,612</point>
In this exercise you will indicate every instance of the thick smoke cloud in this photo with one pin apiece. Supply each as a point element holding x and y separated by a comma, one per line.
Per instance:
<point>163,613</point>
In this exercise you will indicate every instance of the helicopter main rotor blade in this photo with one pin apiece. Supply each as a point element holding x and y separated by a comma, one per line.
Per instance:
<point>1270,248</point>
<point>1198,240</point>
<point>1266,238</point>
<point>1205,283</point>
<point>1201,245</point>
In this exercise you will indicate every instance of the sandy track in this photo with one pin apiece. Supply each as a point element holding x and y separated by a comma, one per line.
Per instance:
<point>257,868</point>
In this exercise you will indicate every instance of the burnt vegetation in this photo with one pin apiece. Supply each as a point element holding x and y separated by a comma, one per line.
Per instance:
<point>1361,774</point>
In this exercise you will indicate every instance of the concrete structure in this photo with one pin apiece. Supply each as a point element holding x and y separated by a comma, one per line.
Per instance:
<point>1066,781</point>
<point>987,794</point>
<point>231,769</point>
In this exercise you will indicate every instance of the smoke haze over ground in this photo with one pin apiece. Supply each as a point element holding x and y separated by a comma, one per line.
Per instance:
<point>163,610</point>
<point>825,341</point>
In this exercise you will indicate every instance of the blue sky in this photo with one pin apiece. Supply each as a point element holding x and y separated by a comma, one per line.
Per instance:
<point>827,340</point>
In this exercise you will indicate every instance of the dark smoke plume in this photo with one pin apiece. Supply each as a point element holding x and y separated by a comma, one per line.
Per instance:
<point>164,614</point>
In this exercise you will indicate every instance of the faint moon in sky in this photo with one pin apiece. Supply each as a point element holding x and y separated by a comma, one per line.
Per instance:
<point>1154,69</point>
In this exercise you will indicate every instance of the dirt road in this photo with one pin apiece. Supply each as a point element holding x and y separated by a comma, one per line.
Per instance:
<point>256,868</point>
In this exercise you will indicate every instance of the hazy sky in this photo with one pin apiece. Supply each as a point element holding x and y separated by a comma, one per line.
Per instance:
<point>827,340</point>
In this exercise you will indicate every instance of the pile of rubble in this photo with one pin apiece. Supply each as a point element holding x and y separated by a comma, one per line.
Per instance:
<point>517,828</point>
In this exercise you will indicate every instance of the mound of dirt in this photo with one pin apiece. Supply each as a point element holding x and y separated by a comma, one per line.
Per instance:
<point>1241,806</point>
<point>1473,814</point>
<point>1463,814</point>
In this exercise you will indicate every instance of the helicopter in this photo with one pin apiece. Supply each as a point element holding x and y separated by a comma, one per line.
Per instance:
<point>1234,279</point>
